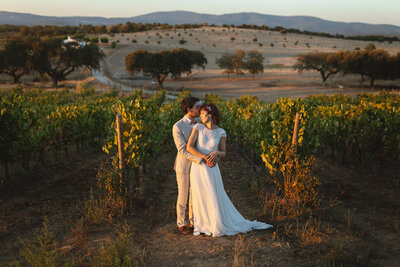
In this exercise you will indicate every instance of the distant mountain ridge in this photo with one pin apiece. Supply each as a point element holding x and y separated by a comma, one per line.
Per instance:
<point>303,23</point>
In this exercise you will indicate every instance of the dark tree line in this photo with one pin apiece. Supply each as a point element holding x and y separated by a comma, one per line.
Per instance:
<point>376,64</point>
<point>82,30</point>
<point>163,63</point>
<point>51,56</point>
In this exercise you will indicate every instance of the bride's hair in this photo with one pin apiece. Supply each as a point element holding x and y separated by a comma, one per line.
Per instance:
<point>213,111</point>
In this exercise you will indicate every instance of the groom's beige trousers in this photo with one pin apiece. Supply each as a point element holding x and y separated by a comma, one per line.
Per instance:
<point>181,132</point>
<point>183,191</point>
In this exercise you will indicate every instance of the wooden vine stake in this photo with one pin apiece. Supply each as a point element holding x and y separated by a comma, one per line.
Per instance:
<point>295,133</point>
<point>120,146</point>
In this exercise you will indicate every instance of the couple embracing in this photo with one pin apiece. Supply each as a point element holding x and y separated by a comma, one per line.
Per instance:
<point>200,145</point>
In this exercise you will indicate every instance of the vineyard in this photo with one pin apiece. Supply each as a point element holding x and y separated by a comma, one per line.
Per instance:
<point>362,131</point>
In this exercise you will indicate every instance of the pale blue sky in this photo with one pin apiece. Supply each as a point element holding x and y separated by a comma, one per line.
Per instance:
<point>369,11</point>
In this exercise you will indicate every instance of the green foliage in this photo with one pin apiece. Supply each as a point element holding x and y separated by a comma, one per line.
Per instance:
<point>104,40</point>
<point>254,62</point>
<point>36,122</point>
<point>370,62</point>
<point>95,39</point>
<point>327,64</point>
<point>58,59</point>
<point>15,58</point>
<point>113,44</point>
<point>163,63</point>
<point>234,63</point>
<point>119,251</point>
<point>44,250</point>
<point>96,210</point>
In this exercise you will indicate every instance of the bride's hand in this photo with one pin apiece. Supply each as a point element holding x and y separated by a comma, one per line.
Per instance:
<point>212,157</point>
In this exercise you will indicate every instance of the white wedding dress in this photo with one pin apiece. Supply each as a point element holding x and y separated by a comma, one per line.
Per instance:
<point>213,211</point>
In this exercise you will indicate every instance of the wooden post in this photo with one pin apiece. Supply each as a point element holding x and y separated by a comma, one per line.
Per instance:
<point>295,132</point>
<point>120,146</point>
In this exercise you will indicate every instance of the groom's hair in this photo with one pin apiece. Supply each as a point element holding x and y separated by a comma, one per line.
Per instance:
<point>188,103</point>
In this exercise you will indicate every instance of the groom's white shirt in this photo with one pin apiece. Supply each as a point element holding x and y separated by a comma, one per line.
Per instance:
<point>181,132</point>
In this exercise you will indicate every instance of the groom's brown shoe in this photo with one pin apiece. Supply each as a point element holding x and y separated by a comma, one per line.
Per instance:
<point>183,230</point>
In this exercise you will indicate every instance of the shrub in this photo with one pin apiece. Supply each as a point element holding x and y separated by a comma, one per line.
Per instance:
<point>104,40</point>
<point>113,44</point>
<point>260,44</point>
<point>232,39</point>
<point>255,39</point>
<point>95,210</point>
<point>146,41</point>
<point>95,40</point>
<point>272,44</point>
<point>182,41</point>
<point>43,251</point>
<point>83,88</point>
<point>120,251</point>
<point>134,41</point>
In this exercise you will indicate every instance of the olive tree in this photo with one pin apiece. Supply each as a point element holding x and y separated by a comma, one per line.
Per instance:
<point>58,59</point>
<point>15,58</point>
<point>327,64</point>
<point>254,62</point>
<point>163,63</point>
<point>232,62</point>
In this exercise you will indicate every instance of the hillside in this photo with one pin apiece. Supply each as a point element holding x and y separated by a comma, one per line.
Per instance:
<point>181,17</point>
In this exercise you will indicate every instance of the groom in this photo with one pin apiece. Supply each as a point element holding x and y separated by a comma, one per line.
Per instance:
<point>181,131</point>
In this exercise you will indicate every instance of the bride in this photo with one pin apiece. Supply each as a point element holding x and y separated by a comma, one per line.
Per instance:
<point>214,213</point>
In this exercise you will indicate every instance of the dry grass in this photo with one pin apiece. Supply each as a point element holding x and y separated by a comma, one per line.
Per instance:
<point>368,235</point>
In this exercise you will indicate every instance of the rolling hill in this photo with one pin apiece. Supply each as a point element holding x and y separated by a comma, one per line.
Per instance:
<point>181,17</point>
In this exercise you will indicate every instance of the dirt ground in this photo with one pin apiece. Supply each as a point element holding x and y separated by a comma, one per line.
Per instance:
<point>359,225</point>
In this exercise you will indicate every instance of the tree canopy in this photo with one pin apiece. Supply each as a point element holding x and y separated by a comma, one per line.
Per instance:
<point>163,63</point>
<point>238,61</point>
<point>370,62</point>
<point>15,58</point>
<point>327,64</point>
<point>254,62</point>
<point>59,59</point>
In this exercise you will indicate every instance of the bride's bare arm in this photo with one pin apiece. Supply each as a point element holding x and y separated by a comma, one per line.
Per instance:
<point>191,145</point>
<point>222,148</point>
<point>216,155</point>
